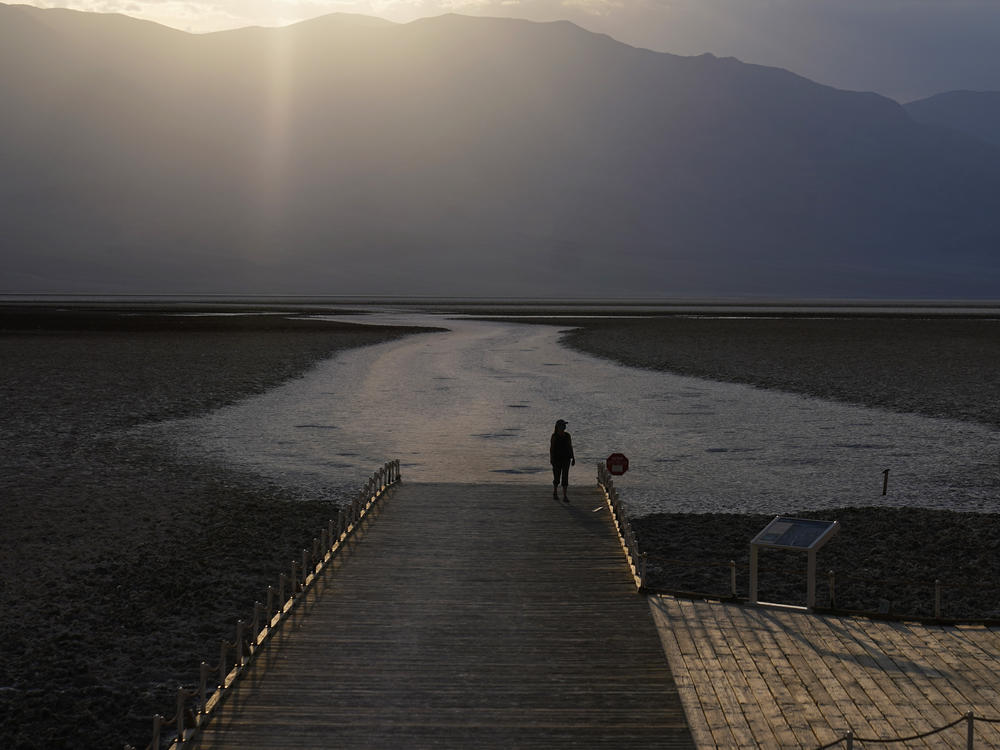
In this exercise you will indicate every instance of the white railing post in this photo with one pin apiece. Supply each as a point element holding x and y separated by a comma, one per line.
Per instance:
<point>239,645</point>
<point>202,690</point>
<point>180,714</point>
<point>223,671</point>
<point>157,722</point>
<point>850,739</point>
<point>811,579</point>
<point>282,578</point>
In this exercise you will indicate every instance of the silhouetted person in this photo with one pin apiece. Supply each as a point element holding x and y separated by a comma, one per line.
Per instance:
<point>561,457</point>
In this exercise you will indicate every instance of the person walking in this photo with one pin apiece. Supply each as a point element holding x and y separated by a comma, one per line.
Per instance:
<point>561,457</point>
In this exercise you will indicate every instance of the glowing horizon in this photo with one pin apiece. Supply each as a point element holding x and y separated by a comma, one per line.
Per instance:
<point>208,17</point>
<point>903,49</point>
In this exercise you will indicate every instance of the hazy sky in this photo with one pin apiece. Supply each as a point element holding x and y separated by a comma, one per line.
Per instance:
<point>905,49</point>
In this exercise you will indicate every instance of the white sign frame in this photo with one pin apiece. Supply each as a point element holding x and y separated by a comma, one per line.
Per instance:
<point>784,532</point>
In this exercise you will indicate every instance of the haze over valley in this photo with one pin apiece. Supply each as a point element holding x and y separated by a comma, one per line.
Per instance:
<point>470,156</point>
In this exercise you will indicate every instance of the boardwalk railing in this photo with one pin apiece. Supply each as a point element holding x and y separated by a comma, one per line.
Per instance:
<point>630,544</point>
<point>887,591</point>
<point>195,706</point>
<point>969,718</point>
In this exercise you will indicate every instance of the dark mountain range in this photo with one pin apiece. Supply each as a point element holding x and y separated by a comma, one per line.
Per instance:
<point>464,156</point>
<point>976,113</point>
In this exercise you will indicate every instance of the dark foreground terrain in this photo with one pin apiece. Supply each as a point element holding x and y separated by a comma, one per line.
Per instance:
<point>121,565</point>
<point>888,558</point>
<point>884,560</point>
<point>939,367</point>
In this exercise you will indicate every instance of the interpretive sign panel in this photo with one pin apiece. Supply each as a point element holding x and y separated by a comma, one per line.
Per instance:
<point>804,534</point>
<point>795,533</point>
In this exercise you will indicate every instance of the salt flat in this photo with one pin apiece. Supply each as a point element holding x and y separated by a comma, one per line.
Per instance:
<point>477,403</point>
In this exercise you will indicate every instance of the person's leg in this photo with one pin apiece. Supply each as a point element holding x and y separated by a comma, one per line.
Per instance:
<point>556,471</point>
<point>564,476</point>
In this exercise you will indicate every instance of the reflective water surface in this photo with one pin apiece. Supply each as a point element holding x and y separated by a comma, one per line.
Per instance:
<point>477,404</point>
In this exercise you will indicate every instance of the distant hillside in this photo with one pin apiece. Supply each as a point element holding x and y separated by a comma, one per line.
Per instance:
<point>464,156</point>
<point>974,112</point>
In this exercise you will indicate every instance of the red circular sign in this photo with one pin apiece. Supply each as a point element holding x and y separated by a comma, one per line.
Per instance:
<point>617,464</point>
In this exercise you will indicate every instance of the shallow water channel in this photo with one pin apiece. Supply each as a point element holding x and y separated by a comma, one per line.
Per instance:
<point>477,404</point>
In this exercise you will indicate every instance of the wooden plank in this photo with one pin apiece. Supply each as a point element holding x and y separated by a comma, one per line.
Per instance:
<point>907,666</point>
<point>824,703</point>
<point>746,658</point>
<point>888,680</point>
<point>971,675</point>
<point>684,663</point>
<point>869,667</point>
<point>936,681</point>
<point>880,669</point>
<point>720,708</point>
<point>773,673</point>
<point>799,680</point>
<point>748,726</point>
<point>468,616</point>
<point>882,679</point>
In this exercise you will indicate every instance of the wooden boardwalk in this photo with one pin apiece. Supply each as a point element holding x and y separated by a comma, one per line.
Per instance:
<point>755,677</point>
<point>465,616</point>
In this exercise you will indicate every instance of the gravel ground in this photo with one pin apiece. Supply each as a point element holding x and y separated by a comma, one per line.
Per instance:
<point>930,366</point>
<point>123,566</point>
<point>883,558</point>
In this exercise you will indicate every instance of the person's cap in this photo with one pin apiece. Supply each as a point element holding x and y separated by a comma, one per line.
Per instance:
<point>561,423</point>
